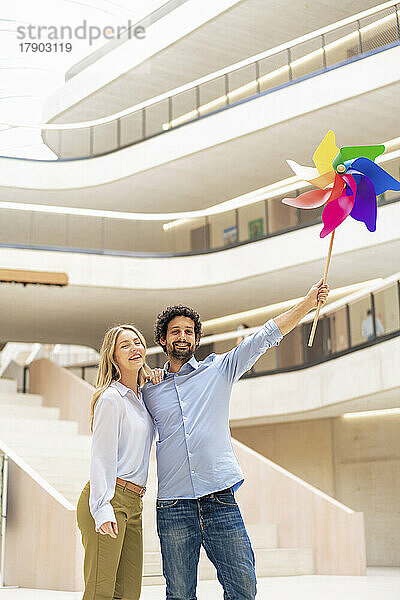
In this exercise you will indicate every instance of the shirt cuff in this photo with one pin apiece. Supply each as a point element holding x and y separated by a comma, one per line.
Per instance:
<point>273,332</point>
<point>104,514</point>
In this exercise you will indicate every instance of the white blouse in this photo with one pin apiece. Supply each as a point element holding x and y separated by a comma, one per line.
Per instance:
<point>123,432</point>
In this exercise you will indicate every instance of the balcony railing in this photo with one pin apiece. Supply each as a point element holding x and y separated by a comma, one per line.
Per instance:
<point>371,31</point>
<point>359,321</point>
<point>99,235</point>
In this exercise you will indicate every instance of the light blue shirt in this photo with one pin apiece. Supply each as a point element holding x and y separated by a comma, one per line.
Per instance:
<point>123,433</point>
<point>191,412</point>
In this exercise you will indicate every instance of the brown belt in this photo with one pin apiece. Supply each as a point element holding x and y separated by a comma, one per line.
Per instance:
<point>131,486</point>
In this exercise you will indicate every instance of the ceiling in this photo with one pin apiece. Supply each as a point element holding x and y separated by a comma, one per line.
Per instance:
<point>248,28</point>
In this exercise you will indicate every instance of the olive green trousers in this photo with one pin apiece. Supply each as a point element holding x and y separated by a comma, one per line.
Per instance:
<point>113,566</point>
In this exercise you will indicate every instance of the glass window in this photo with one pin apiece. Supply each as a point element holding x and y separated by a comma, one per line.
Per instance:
<point>267,362</point>
<point>280,216</point>
<point>223,230</point>
<point>322,344</point>
<point>290,350</point>
<point>361,325</point>
<point>251,217</point>
<point>312,215</point>
<point>338,330</point>
<point>387,310</point>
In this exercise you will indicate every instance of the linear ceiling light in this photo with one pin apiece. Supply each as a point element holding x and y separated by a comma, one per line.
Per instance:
<point>372,413</point>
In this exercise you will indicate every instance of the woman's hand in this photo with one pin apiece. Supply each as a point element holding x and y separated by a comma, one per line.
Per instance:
<point>109,528</point>
<point>157,375</point>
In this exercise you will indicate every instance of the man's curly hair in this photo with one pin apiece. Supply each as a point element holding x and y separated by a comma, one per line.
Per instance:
<point>161,326</point>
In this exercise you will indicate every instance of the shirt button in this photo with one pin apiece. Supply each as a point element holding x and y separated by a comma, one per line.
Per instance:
<point>187,435</point>
<point>192,471</point>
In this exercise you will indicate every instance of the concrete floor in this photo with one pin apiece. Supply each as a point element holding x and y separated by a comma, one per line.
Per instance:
<point>380,584</point>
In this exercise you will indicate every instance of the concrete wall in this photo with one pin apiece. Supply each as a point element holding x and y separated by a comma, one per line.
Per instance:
<point>36,523</point>
<point>357,461</point>
<point>61,389</point>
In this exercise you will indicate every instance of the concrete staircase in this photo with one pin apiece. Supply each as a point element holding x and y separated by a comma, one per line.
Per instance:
<point>60,455</point>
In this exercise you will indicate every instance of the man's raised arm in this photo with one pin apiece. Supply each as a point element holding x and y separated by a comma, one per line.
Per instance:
<point>289,319</point>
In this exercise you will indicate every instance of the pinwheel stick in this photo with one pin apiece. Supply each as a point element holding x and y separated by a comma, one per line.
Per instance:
<point>328,260</point>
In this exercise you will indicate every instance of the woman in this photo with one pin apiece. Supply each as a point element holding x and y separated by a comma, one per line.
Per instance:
<point>109,509</point>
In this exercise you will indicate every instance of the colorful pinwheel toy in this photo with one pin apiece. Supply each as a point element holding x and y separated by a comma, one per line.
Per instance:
<point>349,182</point>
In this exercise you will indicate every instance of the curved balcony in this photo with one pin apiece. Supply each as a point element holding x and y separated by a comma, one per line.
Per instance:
<point>373,31</point>
<point>66,229</point>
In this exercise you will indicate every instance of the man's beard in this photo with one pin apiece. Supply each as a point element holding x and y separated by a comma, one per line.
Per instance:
<point>181,353</point>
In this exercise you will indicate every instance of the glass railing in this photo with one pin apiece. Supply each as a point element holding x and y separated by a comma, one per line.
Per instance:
<point>362,320</point>
<point>333,46</point>
<point>99,235</point>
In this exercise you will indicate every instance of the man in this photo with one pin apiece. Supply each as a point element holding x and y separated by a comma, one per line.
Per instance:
<point>198,472</point>
<point>367,327</point>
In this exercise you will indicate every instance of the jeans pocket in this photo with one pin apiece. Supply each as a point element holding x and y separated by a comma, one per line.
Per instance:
<point>226,498</point>
<point>166,503</point>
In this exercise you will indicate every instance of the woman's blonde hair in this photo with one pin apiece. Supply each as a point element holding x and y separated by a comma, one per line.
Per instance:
<point>108,368</point>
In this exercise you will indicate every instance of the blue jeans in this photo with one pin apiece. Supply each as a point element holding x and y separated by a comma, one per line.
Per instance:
<point>214,522</point>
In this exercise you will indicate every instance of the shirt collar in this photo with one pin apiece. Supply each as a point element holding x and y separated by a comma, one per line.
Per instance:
<point>192,362</point>
<point>123,390</point>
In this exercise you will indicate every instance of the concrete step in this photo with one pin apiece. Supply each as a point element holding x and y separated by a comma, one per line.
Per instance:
<point>71,489</point>
<point>153,580</point>
<point>29,412</point>
<point>44,451</point>
<point>65,465</point>
<point>282,562</point>
<point>9,425</point>
<point>263,537</point>
<point>150,537</point>
<point>20,399</point>
<point>8,385</point>
<point>152,562</point>
<point>61,474</point>
<point>54,441</point>
<point>276,562</point>
<point>65,482</point>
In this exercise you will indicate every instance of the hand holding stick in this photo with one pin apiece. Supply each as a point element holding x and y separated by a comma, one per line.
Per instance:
<point>314,325</point>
